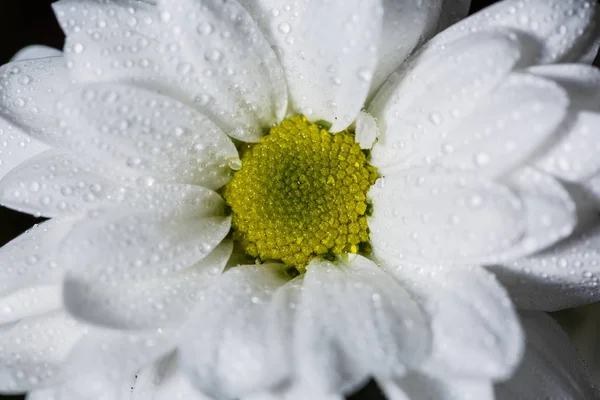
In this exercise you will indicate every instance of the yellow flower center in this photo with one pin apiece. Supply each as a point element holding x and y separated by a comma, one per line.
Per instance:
<point>301,193</point>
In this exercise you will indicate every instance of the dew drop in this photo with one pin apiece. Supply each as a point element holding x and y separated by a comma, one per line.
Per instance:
<point>284,27</point>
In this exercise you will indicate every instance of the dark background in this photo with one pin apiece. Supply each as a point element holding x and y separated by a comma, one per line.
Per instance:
<point>25,22</point>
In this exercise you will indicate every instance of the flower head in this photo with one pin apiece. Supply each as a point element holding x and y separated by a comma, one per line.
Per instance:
<point>260,199</point>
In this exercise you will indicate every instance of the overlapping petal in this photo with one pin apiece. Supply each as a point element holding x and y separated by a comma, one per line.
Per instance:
<point>151,303</point>
<point>206,54</point>
<point>17,147</point>
<point>328,61</point>
<point>435,216</point>
<point>28,96</point>
<point>165,380</point>
<point>561,30</point>
<point>430,216</point>
<point>370,326</point>
<point>462,107</point>
<point>125,245</point>
<point>244,350</point>
<point>146,133</point>
<point>32,259</point>
<point>475,332</point>
<point>418,106</point>
<point>32,350</point>
<point>574,156</point>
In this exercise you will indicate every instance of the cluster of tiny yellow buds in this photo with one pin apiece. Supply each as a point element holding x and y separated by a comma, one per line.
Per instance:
<point>301,193</point>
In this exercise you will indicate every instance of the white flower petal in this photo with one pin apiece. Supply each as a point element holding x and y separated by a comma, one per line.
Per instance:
<point>582,83</point>
<point>415,386</point>
<point>35,51</point>
<point>56,183</point>
<point>234,343</point>
<point>110,356</point>
<point>208,54</point>
<point>508,127</point>
<point>566,275</point>
<point>328,51</point>
<point>551,213</point>
<point>405,25</point>
<point>354,321</point>
<point>16,147</point>
<point>29,302</point>
<point>366,130</point>
<point>145,133</point>
<point>551,367</point>
<point>32,259</point>
<point>428,216</point>
<point>562,29</point>
<point>476,333</point>
<point>165,380</point>
<point>420,104</point>
<point>28,96</point>
<point>126,246</point>
<point>144,304</point>
<point>574,156</point>
<point>33,350</point>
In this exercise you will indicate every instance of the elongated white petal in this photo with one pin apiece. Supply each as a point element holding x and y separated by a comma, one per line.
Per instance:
<point>127,246</point>
<point>366,130</point>
<point>406,24</point>
<point>418,107</point>
<point>35,51</point>
<point>234,343</point>
<point>551,367</point>
<point>566,275</point>
<point>165,380</point>
<point>33,350</point>
<point>328,61</point>
<point>16,147</point>
<point>28,96</point>
<point>427,216</point>
<point>56,183</point>
<point>29,302</point>
<point>582,83</point>
<point>110,356</point>
<point>561,29</point>
<point>430,216</point>
<point>550,211</point>
<point>423,387</point>
<point>208,54</point>
<point>146,133</point>
<point>370,327</point>
<point>157,302</point>
<point>476,333</point>
<point>574,156</point>
<point>508,127</point>
<point>33,259</point>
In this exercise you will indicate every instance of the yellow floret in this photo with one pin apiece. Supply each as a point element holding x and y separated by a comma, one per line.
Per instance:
<point>300,194</point>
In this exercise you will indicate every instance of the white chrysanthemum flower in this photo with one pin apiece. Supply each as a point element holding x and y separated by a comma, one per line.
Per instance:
<point>165,127</point>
